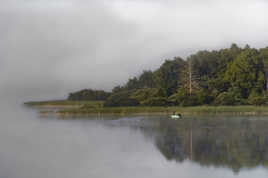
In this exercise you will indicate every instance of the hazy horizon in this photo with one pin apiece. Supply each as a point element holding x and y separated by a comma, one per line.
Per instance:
<point>51,48</point>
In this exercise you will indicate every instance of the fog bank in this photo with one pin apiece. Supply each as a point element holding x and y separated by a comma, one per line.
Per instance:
<point>50,48</point>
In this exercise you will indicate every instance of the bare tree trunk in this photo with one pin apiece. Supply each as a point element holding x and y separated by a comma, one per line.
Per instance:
<point>190,77</point>
<point>267,84</point>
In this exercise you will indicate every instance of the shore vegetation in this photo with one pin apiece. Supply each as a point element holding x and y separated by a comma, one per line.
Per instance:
<point>233,79</point>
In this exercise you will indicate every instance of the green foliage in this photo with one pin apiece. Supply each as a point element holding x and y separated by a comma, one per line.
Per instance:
<point>239,110</point>
<point>183,98</point>
<point>257,100</point>
<point>192,100</point>
<point>225,98</point>
<point>231,76</point>
<point>93,105</point>
<point>117,88</point>
<point>146,79</point>
<point>218,84</point>
<point>161,92</point>
<point>155,101</point>
<point>246,72</point>
<point>133,83</point>
<point>264,56</point>
<point>203,97</point>
<point>59,103</point>
<point>144,94</point>
<point>173,99</point>
<point>205,63</point>
<point>89,95</point>
<point>121,99</point>
<point>167,76</point>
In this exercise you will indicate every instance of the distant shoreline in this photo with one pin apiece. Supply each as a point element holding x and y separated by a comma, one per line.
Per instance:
<point>66,109</point>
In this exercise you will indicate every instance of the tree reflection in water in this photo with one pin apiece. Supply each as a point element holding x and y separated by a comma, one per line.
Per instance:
<point>222,142</point>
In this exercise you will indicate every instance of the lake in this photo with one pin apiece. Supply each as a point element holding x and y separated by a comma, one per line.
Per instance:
<point>132,147</point>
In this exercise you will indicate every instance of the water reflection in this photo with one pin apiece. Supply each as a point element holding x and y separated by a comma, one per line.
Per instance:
<point>221,142</point>
<point>131,147</point>
<point>232,142</point>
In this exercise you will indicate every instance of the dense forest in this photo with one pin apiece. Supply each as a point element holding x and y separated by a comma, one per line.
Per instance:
<point>232,76</point>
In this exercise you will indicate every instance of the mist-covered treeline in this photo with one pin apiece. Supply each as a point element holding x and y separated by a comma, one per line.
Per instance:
<point>89,94</point>
<point>232,76</point>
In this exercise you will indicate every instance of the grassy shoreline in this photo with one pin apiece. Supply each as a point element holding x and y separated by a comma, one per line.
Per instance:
<point>235,110</point>
<point>60,103</point>
<point>67,108</point>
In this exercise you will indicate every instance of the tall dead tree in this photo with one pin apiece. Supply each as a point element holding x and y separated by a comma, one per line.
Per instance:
<point>189,78</point>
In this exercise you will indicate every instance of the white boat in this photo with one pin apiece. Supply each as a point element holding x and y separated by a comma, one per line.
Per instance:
<point>175,116</point>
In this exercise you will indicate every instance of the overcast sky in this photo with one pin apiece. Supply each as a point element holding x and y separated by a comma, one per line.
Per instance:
<point>51,47</point>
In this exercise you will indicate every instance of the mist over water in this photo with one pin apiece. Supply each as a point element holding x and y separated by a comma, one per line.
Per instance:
<point>38,147</point>
<point>49,48</point>
<point>129,147</point>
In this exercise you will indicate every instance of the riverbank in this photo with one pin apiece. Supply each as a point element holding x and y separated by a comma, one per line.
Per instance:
<point>62,103</point>
<point>64,108</point>
<point>233,110</point>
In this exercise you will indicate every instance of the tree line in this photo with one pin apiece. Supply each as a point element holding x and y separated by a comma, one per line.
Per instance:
<point>89,95</point>
<point>231,76</point>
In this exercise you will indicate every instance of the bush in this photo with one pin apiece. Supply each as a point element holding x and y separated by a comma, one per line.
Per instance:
<point>89,95</point>
<point>121,99</point>
<point>161,92</point>
<point>204,97</point>
<point>190,100</point>
<point>225,98</point>
<point>257,101</point>
<point>155,101</point>
<point>173,100</point>
<point>144,94</point>
<point>93,105</point>
<point>183,98</point>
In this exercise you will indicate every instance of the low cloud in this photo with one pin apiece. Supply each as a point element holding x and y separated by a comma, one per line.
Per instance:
<point>50,48</point>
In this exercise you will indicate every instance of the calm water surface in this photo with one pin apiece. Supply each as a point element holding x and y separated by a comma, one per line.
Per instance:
<point>132,147</point>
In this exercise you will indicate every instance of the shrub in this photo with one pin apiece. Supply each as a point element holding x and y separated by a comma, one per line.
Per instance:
<point>225,98</point>
<point>190,100</point>
<point>173,99</point>
<point>121,99</point>
<point>144,94</point>
<point>182,96</point>
<point>257,100</point>
<point>155,101</point>
<point>89,95</point>
<point>161,92</point>
<point>204,97</point>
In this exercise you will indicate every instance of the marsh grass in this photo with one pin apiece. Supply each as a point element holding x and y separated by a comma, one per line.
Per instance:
<point>64,102</point>
<point>96,107</point>
<point>241,110</point>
